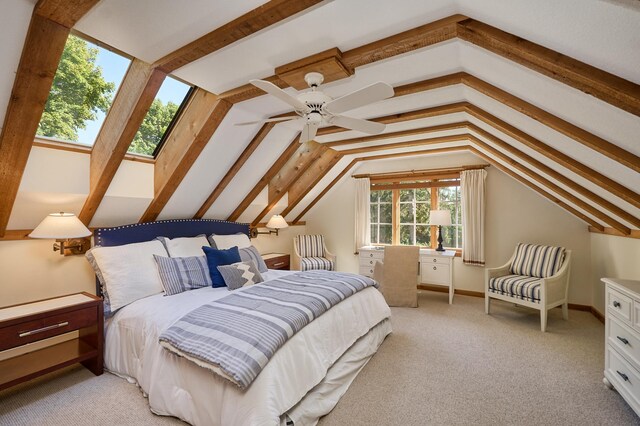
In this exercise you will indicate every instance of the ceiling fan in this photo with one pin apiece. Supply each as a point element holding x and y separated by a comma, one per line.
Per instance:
<point>315,108</point>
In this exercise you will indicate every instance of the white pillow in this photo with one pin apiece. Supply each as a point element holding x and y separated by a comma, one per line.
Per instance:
<point>185,246</point>
<point>129,272</point>
<point>223,242</point>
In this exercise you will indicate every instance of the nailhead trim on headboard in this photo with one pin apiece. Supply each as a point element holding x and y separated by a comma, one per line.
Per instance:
<point>98,236</point>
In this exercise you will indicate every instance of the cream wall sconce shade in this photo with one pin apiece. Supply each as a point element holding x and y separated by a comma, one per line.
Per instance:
<point>69,232</point>
<point>276,223</point>
<point>440,218</point>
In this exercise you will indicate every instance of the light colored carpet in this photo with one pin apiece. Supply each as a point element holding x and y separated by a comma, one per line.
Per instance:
<point>442,365</point>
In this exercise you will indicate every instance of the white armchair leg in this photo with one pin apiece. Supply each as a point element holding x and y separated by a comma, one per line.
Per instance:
<point>543,319</point>
<point>565,311</point>
<point>487,304</point>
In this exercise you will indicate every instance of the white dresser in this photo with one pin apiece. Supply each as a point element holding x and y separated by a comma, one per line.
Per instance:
<point>435,267</point>
<point>622,339</point>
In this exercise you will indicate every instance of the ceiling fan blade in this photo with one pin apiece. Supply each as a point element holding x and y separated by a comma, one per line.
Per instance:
<point>358,124</point>
<point>269,120</point>
<point>274,90</point>
<point>309,132</point>
<point>367,95</point>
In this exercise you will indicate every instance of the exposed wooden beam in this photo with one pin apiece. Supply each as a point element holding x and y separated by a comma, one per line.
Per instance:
<point>16,235</point>
<point>43,47</point>
<point>371,158</point>
<point>551,186</point>
<point>251,22</point>
<point>587,139</point>
<point>402,133</point>
<point>557,176</point>
<point>406,144</point>
<point>591,80</point>
<point>264,181</point>
<point>63,12</point>
<point>325,190</point>
<point>191,133</point>
<point>130,105</point>
<point>407,41</point>
<point>564,160</point>
<point>234,169</point>
<point>610,231</point>
<point>309,179</point>
<point>537,189</point>
<point>306,154</point>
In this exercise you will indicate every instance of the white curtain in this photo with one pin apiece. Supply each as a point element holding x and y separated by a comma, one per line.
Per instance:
<point>363,219</point>
<point>473,188</point>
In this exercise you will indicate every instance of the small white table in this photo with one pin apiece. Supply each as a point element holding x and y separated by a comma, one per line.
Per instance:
<point>436,267</point>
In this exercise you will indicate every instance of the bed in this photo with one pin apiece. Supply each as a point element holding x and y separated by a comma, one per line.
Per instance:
<point>303,380</point>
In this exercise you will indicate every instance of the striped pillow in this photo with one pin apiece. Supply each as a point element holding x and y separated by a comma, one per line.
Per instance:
<point>311,245</point>
<point>180,274</point>
<point>537,261</point>
<point>240,274</point>
<point>251,254</point>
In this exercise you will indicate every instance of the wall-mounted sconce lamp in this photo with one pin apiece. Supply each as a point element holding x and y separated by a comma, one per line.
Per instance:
<point>68,231</point>
<point>275,223</point>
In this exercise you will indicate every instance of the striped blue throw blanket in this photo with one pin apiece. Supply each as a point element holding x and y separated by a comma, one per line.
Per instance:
<point>236,335</point>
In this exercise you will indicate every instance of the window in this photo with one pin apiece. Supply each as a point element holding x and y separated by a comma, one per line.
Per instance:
<point>415,206</point>
<point>410,209</point>
<point>162,114</point>
<point>381,217</point>
<point>449,199</point>
<point>87,78</point>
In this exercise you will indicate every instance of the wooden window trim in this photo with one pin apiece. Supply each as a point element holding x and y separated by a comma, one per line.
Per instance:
<point>52,143</point>
<point>395,187</point>
<point>174,120</point>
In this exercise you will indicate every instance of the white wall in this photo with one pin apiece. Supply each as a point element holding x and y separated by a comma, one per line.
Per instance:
<point>612,257</point>
<point>514,214</point>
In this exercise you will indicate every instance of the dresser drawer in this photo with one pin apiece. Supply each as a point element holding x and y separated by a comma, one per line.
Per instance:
<point>368,262</point>
<point>624,339</point>
<point>435,259</point>
<point>619,304</point>
<point>367,272</point>
<point>623,376</point>
<point>32,331</point>
<point>372,254</point>
<point>435,273</point>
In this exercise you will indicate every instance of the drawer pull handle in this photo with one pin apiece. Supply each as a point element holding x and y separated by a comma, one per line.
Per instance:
<point>371,262</point>
<point>435,260</point>
<point>624,376</point>
<point>43,329</point>
<point>435,268</point>
<point>616,304</point>
<point>370,254</point>
<point>278,264</point>
<point>623,340</point>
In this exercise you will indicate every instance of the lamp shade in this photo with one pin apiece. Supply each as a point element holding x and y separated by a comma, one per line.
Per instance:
<point>440,217</point>
<point>60,226</point>
<point>277,222</point>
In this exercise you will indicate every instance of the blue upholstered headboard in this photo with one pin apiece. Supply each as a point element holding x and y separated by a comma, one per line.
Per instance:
<point>174,228</point>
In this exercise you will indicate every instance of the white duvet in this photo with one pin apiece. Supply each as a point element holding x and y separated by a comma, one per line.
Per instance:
<point>177,387</point>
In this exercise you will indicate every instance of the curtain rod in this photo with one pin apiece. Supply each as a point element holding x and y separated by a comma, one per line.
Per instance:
<point>424,171</point>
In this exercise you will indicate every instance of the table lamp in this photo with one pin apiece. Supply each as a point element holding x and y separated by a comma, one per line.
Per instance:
<point>440,218</point>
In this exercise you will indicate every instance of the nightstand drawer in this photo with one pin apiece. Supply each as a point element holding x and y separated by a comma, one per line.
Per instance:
<point>34,330</point>
<point>277,262</point>
<point>369,262</point>
<point>372,254</point>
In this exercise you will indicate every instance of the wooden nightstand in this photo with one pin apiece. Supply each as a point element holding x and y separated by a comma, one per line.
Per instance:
<point>36,321</point>
<point>277,260</point>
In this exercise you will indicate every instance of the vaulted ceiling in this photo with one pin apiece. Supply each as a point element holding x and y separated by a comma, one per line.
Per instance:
<point>547,91</point>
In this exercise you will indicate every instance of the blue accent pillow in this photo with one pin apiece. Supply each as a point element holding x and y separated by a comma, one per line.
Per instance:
<point>217,258</point>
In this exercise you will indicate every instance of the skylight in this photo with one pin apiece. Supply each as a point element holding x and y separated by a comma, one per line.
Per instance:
<point>85,83</point>
<point>165,109</point>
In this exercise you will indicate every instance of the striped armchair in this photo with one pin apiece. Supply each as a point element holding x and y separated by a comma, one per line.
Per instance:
<point>310,252</point>
<point>536,277</point>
